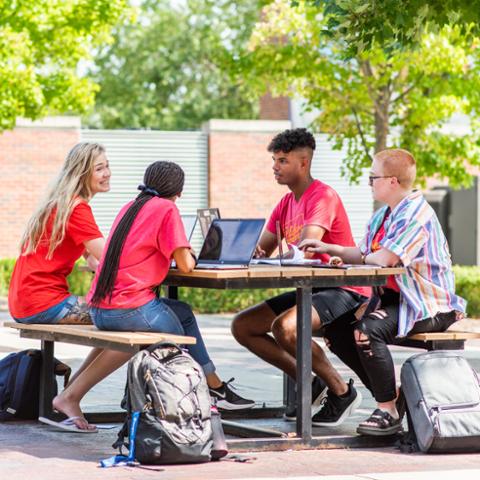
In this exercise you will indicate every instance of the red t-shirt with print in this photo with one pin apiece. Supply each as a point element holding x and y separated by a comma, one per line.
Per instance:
<point>391,282</point>
<point>156,233</point>
<point>319,205</point>
<point>37,283</point>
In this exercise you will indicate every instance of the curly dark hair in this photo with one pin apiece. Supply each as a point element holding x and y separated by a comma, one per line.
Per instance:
<point>292,139</point>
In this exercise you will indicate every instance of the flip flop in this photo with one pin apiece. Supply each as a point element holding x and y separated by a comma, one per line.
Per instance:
<point>67,425</point>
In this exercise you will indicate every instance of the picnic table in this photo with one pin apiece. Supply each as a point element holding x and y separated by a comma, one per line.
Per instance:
<point>303,279</point>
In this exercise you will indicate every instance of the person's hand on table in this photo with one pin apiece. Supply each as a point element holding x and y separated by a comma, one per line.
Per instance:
<point>335,261</point>
<point>259,252</point>
<point>313,246</point>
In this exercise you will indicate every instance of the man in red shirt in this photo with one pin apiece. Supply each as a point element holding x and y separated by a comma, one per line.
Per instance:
<point>311,209</point>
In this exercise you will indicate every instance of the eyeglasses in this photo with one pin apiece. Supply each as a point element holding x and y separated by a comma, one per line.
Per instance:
<point>371,178</point>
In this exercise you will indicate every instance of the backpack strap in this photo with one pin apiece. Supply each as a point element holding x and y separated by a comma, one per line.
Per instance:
<point>129,460</point>
<point>62,370</point>
<point>22,373</point>
<point>175,350</point>
<point>153,347</point>
<point>408,443</point>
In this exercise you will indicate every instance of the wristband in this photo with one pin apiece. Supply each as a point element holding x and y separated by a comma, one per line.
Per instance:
<point>194,257</point>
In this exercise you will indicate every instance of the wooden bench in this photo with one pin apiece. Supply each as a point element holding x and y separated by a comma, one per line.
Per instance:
<point>90,336</point>
<point>449,340</point>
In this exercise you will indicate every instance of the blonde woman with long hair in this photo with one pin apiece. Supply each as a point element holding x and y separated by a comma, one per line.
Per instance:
<point>57,235</point>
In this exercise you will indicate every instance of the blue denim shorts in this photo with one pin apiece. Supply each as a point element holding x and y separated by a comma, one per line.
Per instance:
<point>159,315</point>
<point>53,314</point>
<point>154,316</point>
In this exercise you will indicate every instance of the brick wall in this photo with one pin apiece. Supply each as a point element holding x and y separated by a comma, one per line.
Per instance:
<point>274,108</point>
<point>241,182</point>
<point>30,157</point>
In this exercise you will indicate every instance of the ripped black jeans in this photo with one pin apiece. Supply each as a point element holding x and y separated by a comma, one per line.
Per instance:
<point>370,358</point>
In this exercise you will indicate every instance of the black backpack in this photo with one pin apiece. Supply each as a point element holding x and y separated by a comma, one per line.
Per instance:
<point>20,384</point>
<point>168,408</point>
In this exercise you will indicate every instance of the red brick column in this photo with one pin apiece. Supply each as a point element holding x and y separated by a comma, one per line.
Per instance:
<point>241,182</point>
<point>30,157</point>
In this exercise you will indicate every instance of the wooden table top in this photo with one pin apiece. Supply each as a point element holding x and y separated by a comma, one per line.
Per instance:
<point>272,271</point>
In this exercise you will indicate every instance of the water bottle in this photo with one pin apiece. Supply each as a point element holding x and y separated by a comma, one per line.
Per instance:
<point>219,447</point>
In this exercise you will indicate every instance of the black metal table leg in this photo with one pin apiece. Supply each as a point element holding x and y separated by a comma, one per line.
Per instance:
<point>172,292</point>
<point>304,363</point>
<point>289,393</point>
<point>47,379</point>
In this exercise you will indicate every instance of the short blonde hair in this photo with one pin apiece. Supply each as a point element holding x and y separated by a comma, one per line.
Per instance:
<point>400,164</point>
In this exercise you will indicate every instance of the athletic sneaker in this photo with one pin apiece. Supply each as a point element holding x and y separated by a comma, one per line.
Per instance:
<point>319,392</point>
<point>337,409</point>
<point>226,399</point>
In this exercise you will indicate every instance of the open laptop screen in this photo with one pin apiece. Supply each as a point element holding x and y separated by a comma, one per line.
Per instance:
<point>231,240</point>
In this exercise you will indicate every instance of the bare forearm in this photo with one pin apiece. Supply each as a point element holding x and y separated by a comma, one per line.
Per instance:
<point>347,254</point>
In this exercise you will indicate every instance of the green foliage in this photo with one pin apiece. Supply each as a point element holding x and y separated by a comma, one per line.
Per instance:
<point>165,71</point>
<point>467,285</point>
<point>6,269</point>
<point>393,24</point>
<point>79,281</point>
<point>220,301</point>
<point>403,98</point>
<point>41,45</point>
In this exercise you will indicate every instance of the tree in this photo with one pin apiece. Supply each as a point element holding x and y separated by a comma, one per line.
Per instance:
<point>374,99</point>
<point>165,71</point>
<point>42,43</point>
<point>394,24</point>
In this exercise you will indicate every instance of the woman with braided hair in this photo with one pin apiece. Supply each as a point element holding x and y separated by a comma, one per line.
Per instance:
<point>146,235</point>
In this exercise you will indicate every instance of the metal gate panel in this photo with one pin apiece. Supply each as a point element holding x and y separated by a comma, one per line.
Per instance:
<point>131,151</point>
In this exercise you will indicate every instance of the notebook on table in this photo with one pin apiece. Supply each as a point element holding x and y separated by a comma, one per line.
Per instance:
<point>230,243</point>
<point>189,222</point>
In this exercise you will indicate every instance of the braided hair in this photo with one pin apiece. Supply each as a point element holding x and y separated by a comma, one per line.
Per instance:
<point>161,179</point>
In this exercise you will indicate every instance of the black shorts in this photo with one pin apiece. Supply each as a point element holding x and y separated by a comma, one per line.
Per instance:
<point>330,303</point>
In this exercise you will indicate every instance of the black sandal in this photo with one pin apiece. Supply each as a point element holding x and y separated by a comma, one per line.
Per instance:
<point>380,423</point>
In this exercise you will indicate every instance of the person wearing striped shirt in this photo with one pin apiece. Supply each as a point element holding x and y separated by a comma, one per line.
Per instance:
<point>405,232</point>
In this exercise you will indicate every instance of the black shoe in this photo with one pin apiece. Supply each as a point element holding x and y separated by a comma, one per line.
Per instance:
<point>337,409</point>
<point>319,392</point>
<point>226,399</point>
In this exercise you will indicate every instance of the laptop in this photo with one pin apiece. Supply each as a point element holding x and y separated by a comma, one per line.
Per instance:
<point>206,217</point>
<point>189,222</point>
<point>230,243</point>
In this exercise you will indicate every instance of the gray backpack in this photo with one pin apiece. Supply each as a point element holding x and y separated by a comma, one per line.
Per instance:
<point>443,403</point>
<point>169,390</point>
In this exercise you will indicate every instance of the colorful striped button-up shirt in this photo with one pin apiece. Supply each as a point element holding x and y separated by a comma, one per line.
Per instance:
<point>413,232</point>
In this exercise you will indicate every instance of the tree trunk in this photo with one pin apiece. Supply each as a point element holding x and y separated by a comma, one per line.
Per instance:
<point>382,105</point>
<point>381,125</point>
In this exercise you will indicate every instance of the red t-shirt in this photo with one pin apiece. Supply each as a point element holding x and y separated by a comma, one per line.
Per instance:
<point>319,205</point>
<point>391,282</point>
<point>156,233</point>
<point>37,283</point>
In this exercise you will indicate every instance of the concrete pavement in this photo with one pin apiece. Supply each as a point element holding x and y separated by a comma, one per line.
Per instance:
<point>31,450</point>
